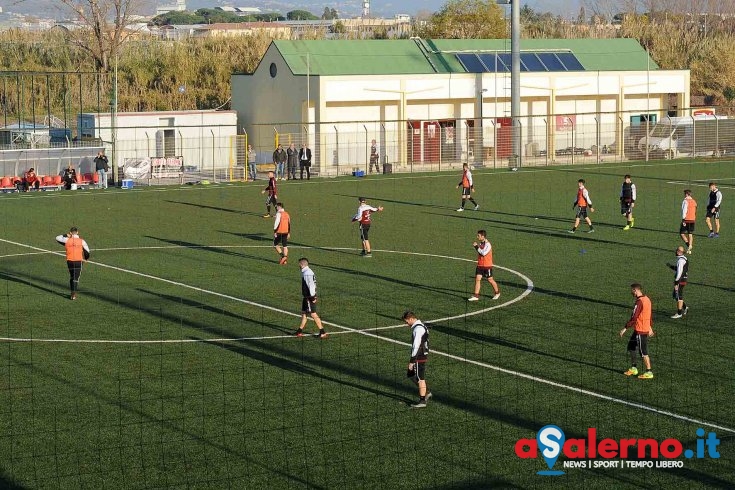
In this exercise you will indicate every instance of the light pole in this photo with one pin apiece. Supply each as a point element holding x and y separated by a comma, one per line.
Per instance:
<point>481,126</point>
<point>515,78</point>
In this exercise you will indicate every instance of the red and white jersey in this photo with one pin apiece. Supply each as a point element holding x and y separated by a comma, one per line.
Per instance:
<point>363,214</point>
<point>466,181</point>
<point>484,254</point>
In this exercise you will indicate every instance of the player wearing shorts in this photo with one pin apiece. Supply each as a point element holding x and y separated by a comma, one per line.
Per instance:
<point>363,217</point>
<point>627,202</point>
<point>688,217</point>
<point>713,210</point>
<point>681,275</point>
<point>308,303</point>
<point>581,203</point>
<point>281,233</point>
<point>484,267</point>
<point>272,198</point>
<point>419,355</point>
<point>642,323</point>
<point>468,188</point>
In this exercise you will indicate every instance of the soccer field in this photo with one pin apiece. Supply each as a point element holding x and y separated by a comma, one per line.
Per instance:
<point>177,366</point>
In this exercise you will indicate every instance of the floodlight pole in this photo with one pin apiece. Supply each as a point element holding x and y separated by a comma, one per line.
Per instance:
<point>515,78</point>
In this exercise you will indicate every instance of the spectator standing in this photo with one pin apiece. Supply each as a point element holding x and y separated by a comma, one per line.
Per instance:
<point>292,156</point>
<point>279,160</point>
<point>77,252</point>
<point>374,157</point>
<point>101,166</point>
<point>713,210</point>
<point>305,161</point>
<point>252,168</point>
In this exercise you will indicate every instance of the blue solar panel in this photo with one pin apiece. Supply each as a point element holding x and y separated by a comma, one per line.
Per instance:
<point>570,61</point>
<point>494,63</point>
<point>532,62</point>
<point>471,63</point>
<point>551,62</point>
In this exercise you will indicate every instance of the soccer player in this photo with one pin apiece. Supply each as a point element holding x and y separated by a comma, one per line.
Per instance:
<point>467,188</point>
<point>713,210</point>
<point>308,304</point>
<point>484,266</point>
<point>272,194</point>
<point>363,217</point>
<point>281,233</point>
<point>77,252</point>
<point>688,217</point>
<point>627,202</point>
<point>681,274</point>
<point>581,203</point>
<point>419,356</point>
<point>642,323</point>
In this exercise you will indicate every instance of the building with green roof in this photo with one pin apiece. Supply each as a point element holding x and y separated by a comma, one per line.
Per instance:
<point>338,95</point>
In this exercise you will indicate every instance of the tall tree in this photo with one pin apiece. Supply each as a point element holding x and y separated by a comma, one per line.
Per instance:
<point>105,24</point>
<point>467,19</point>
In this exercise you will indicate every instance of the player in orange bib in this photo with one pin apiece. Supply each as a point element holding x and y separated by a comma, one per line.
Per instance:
<point>688,217</point>
<point>642,323</point>
<point>77,252</point>
<point>484,266</point>
<point>581,203</point>
<point>281,233</point>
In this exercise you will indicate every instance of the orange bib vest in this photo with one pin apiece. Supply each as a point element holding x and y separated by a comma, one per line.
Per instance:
<point>691,210</point>
<point>643,322</point>
<point>283,225</point>
<point>485,260</point>
<point>74,249</point>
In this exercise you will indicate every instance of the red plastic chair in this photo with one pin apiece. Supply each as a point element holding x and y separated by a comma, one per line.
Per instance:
<point>95,178</point>
<point>87,178</point>
<point>6,183</point>
<point>47,180</point>
<point>57,180</point>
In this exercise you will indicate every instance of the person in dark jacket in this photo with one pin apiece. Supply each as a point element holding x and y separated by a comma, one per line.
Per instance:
<point>101,166</point>
<point>279,160</point>
<point>292,155</point>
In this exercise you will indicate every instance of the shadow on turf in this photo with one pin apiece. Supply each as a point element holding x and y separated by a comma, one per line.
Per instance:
<point>214,208</point>
<point>27,282</point>
<point>8,484</point>
<point>487,339</point>
<point>553,232</point>
<point>208,248</point>
<point>449,292</point>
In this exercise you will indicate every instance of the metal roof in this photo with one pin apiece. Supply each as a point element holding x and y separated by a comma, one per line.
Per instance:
<point>427,56</point>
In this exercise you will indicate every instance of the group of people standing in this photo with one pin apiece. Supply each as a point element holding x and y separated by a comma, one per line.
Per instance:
<point>286,161</point>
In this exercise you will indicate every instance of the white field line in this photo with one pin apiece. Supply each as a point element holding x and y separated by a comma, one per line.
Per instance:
<point>367,333</point>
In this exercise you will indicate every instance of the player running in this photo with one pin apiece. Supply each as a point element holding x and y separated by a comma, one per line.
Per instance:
<point>581,204</point>
<point>363,217</point>
<point>467,188</point>
<point>627,202</point>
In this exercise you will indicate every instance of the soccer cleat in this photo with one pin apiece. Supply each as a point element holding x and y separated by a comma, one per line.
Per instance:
<point>591,230</point>
<point>473,298</point>
<point>631,372</point>
<point>299,333</point>
<point>266,215</point>
<point>717,235</point>
<point>323,335</point>
<point>362,252</point>
<point>677,316</point>
<point>428,395</point>
<point>368,255</point>
<point>283,261</point>
<point>571,231</point>
<point>419,404</point>
<point>496,296</point>
<point>686,308</point>
<point>626,228</point>
<point>711,234</point>
<point>460,210</point>
<point>73,296</point>
<point>646,375</point>
<point>477,206</point>
<point>689,251</point>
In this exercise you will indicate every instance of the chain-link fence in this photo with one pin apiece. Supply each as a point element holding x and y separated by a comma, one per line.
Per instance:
<point>354,148</point>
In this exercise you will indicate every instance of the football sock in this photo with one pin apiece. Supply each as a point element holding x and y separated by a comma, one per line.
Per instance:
<point>463,203</point>
<point>574,228</point>
<point>473,201</point>
<point>422,398</point>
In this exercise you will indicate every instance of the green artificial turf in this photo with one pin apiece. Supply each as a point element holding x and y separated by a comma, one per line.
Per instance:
<point>206,388</point>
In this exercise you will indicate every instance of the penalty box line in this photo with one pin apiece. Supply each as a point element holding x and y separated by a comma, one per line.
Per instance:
<point>447,355</point>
